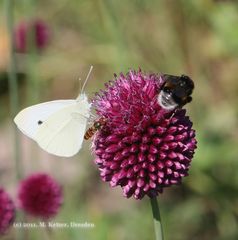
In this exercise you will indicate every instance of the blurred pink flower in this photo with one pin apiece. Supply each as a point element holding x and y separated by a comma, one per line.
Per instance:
<point>7,211</point>
<point>142,148</point>
<point>40,195</point>
<point>37,29</point>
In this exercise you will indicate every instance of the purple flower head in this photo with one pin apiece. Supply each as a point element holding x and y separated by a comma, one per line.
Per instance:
<point>142,148</point>
<point>7,211</point>
<point>23,32</point>
<point>40,195</point>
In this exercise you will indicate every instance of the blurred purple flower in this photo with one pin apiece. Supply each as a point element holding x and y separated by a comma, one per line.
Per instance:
<point>40,195</point>
<point>142,147</point>
<point>37,29</point>
<point>7,211</point>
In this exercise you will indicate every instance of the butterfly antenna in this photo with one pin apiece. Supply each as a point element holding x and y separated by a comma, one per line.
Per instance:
<point>80,84</point>
<point>86,80</point>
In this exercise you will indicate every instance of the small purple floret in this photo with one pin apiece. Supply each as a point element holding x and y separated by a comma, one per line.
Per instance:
<point>40,195</point>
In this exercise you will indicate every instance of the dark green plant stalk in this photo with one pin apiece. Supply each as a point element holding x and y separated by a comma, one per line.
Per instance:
<point>157,220</point>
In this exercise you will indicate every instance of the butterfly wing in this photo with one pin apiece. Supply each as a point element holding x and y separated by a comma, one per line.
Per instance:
<point>63,132</point>
<point>30,119</point>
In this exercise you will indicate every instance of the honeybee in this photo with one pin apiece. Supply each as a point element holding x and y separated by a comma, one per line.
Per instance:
<point>175,92</point>
<point>97,125</point>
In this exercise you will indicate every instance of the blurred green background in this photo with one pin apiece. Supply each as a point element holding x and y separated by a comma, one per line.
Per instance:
<point>198,38</point>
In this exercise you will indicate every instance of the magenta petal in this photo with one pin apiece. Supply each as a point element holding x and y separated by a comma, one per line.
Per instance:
<point>140,183</point>
<point>112,139</point>
<point>157,141</point>
<point>153,149</point>
<point>112,148</point>
<point>141,157</point>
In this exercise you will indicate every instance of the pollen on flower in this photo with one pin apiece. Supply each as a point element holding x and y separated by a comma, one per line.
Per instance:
<point>142,148</point>
<point>7,211</point>
<point>40,195</point>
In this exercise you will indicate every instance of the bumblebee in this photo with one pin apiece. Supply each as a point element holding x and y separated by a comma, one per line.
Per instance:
<point>175,92</point>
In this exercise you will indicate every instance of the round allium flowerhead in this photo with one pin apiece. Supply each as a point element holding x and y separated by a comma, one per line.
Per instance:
<point>142,148</point>
<point>40,195</point>
<point>26,30</point>
<point>7,211</point>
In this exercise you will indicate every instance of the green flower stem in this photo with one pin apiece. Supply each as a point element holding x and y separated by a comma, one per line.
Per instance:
<point>157,220</point>
<point>32,57</point>
<point>13,85</point>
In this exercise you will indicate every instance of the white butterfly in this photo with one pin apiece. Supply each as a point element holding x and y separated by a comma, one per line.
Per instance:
<point>57,126</point>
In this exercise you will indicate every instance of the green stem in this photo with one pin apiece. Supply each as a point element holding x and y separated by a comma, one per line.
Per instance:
<point>13,85</point>
<point>32,56</point>
<point>157,220</point>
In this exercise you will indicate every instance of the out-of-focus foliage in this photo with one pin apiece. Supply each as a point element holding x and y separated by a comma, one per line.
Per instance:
<point>199,38</point>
